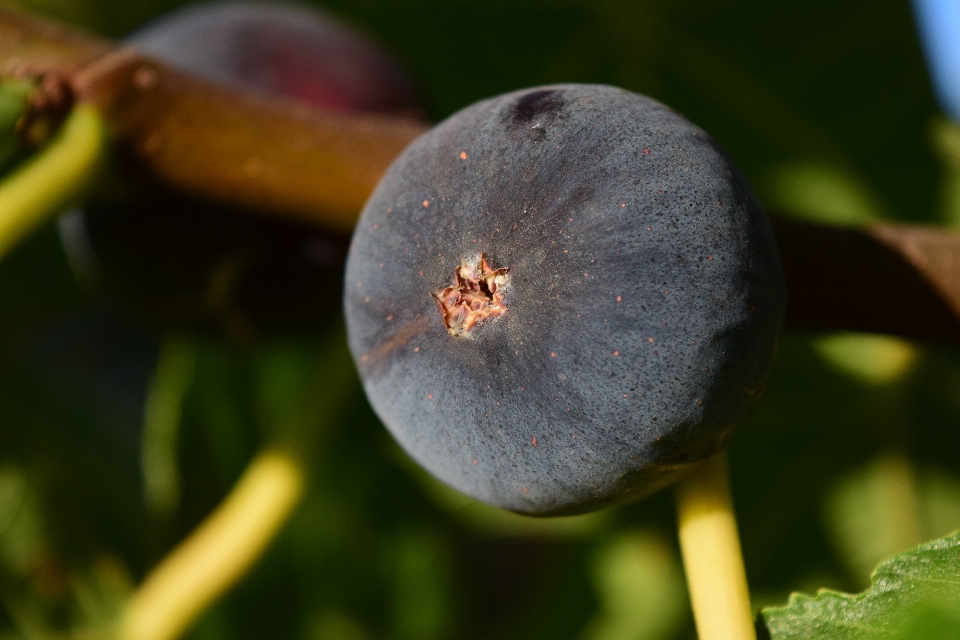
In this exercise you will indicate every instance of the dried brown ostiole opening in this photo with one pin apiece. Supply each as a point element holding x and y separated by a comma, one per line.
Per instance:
<point>475,294</point>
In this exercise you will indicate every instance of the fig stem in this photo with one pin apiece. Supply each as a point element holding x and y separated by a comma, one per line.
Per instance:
<point>217,553</point>
<point>228,542</point>
<point>711,553</point>
<point>52,178</point>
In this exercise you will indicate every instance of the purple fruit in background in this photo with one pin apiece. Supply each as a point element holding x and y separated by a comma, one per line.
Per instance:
<point>563,298</point>
<point>281,49</point>
<point>172,259</point>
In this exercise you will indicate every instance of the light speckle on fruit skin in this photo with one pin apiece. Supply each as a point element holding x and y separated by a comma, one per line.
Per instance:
<point>636,415</point>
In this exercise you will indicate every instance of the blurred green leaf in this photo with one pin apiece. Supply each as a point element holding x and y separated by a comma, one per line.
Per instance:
<point>939,501</point>
<point>887,506</point>
<point>422,585</point>
<point>22,535</point>
<point>161,424</point>
<point>823,192</point>
<point>336,624</point>
<point>945,138</point>
<point>640,587</point>
<point>872,359</point>
<point>874,513</point>
<point>903,591</point>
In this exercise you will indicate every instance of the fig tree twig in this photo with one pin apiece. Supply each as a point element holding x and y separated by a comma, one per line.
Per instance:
<point>221,550</point>
<point>31,45</point>
<point>52,178</point>
<point>232,146</point>
<point>897,279</point>
<point>281,158</point>
<point>269,154</point>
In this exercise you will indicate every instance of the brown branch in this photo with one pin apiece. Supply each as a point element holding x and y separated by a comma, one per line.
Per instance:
<point>896,279</point>
<point>225,144</point>
<point>30,45</point>
<point>285,158</point>
<point>243,148</point>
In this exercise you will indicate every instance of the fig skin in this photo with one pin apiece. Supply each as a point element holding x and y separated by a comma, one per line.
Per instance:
<point>644,296</point>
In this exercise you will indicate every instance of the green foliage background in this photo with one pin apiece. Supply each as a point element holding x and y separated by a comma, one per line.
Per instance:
<point>853,456</point>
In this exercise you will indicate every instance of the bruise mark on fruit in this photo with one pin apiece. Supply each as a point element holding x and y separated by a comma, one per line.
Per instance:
<point>400,338</point>
<point>474,295</point>
<point>537,103</point>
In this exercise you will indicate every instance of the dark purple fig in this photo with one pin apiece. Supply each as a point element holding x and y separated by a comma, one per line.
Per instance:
<point>281,49</point>
<point>563,298</point>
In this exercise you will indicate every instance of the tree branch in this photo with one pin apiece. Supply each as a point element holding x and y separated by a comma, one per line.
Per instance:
<point>225,144</point>
<point>896,279</point>
<point>33,45</point>
<point>284,158</point>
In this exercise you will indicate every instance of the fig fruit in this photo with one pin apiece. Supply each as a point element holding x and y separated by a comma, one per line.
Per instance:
<point>563,298</point>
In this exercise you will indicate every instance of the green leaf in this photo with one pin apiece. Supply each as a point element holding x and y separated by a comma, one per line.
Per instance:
<point>906,591</point>
<point>639,583</point>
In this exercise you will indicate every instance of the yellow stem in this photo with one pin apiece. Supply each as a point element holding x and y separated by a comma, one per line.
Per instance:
<point>218,553</point>
<point>53,177</point>
<point>711,554</point>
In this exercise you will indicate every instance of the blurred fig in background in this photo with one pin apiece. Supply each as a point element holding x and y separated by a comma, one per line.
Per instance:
<point>281,49</point>
<point>177,261</point>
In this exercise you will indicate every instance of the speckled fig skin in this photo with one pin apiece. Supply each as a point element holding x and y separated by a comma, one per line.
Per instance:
<point>644,296</point>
